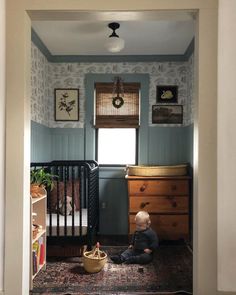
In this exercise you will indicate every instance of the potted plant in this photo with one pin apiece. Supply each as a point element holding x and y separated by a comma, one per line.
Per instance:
<point>39,179</point>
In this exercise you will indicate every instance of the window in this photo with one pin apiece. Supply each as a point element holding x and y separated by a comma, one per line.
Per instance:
<point>117,128</point>
<point>116,146</point>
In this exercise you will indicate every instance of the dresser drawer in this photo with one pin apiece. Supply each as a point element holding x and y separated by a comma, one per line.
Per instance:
<point>158,187</point>
<point>169,227</point>
<point>160,204</point>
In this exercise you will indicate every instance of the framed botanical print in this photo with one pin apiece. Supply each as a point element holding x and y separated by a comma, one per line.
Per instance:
<point>66,104</point>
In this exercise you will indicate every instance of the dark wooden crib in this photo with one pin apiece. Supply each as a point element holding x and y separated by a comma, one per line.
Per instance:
<point>77,182</point>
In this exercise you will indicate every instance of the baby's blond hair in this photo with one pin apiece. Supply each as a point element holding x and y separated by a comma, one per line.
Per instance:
<point>143,216</point>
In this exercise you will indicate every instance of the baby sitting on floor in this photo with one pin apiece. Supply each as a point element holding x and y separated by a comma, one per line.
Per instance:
<point>144,242</point>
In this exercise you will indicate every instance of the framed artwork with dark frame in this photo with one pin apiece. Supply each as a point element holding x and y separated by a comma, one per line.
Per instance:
<point>167,94</point>
<point>167,114</point>
<point>66,104</point>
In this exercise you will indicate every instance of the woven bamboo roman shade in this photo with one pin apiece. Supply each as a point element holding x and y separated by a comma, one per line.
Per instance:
<point>107,116</point>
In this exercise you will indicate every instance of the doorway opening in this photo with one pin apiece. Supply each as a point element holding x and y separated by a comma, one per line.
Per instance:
<point>204,139</point>
<point>165,69</point>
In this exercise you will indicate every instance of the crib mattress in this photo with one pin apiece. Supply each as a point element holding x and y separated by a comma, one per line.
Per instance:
<point>69,224</point>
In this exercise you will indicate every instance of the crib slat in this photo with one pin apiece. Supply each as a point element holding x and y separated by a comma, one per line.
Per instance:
<point>73,199</point>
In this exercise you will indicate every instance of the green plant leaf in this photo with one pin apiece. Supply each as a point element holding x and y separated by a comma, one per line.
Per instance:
<point>41,177</point>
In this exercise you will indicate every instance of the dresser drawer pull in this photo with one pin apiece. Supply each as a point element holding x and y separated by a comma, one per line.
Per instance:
<point>144,204</point>
<point>174,204</point>
<point>143,187</point>
<point>174,224</point>
<point>172,201</point>
<point>174,187</point>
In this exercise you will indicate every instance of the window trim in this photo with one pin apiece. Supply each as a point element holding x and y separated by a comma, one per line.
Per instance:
<point>90,80</point>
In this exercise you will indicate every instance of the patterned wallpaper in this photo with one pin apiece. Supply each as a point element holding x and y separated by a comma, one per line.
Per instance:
<point>40,87</point>
<point>47,76</point>
<point>190,106</point>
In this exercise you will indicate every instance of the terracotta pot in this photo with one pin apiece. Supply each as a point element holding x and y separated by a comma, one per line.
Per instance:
<point>37,191</point>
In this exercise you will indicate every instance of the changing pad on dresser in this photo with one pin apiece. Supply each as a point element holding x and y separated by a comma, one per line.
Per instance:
<point>172,170</point>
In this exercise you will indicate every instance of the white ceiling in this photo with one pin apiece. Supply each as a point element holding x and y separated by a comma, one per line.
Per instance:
<point>144,37</point>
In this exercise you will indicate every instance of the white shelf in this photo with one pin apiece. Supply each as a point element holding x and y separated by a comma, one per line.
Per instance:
<point>40,267</point>
<point>38,206</point>
<point>35,200</point>
<point>39,234</point>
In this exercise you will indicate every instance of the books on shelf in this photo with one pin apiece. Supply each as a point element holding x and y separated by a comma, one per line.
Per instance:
<point>38,254</point>
<point>35,267</point>
<point>42,254</point>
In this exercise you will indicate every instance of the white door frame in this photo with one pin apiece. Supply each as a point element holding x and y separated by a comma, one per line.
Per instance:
<point>18,127</point>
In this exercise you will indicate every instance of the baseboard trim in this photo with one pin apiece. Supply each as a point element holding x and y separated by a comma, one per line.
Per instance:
<point>225,293</point>
<point>65,250</point>
<point>113,240</point>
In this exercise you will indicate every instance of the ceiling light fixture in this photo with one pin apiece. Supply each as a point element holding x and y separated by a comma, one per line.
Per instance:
<point>114,42</point>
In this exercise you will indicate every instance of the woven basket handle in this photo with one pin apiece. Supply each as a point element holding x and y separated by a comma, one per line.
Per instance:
<point>96,251</point>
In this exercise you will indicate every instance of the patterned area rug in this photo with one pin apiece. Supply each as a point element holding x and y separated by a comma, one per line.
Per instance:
<point>170,271</point>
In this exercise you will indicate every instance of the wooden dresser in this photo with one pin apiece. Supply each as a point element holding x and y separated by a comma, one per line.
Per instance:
<point>166,199</point>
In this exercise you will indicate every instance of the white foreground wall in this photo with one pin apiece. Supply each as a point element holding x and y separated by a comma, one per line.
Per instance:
<point>2,134</point>
<point>227,146</point>
<point>16,271</point>
<point>226,142</point>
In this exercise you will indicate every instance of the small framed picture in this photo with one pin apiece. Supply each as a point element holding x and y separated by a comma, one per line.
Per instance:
<point>167,94</point>
<point>167,114</point>
<point>66,104</point>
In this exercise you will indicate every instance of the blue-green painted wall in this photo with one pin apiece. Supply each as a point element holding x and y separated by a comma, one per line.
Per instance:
<point>157,145</point>
<point>165,145</point>
<point>113,205</point>
<point>49,144</point>
<point>67,143</point>
<point>170,145</point>
<point>41,143</point>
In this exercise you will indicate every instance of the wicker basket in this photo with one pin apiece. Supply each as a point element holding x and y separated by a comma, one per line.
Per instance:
<point>94,260</point>
<point>176,170</point>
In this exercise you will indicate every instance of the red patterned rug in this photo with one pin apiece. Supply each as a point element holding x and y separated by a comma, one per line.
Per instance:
<point>170,271</point>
